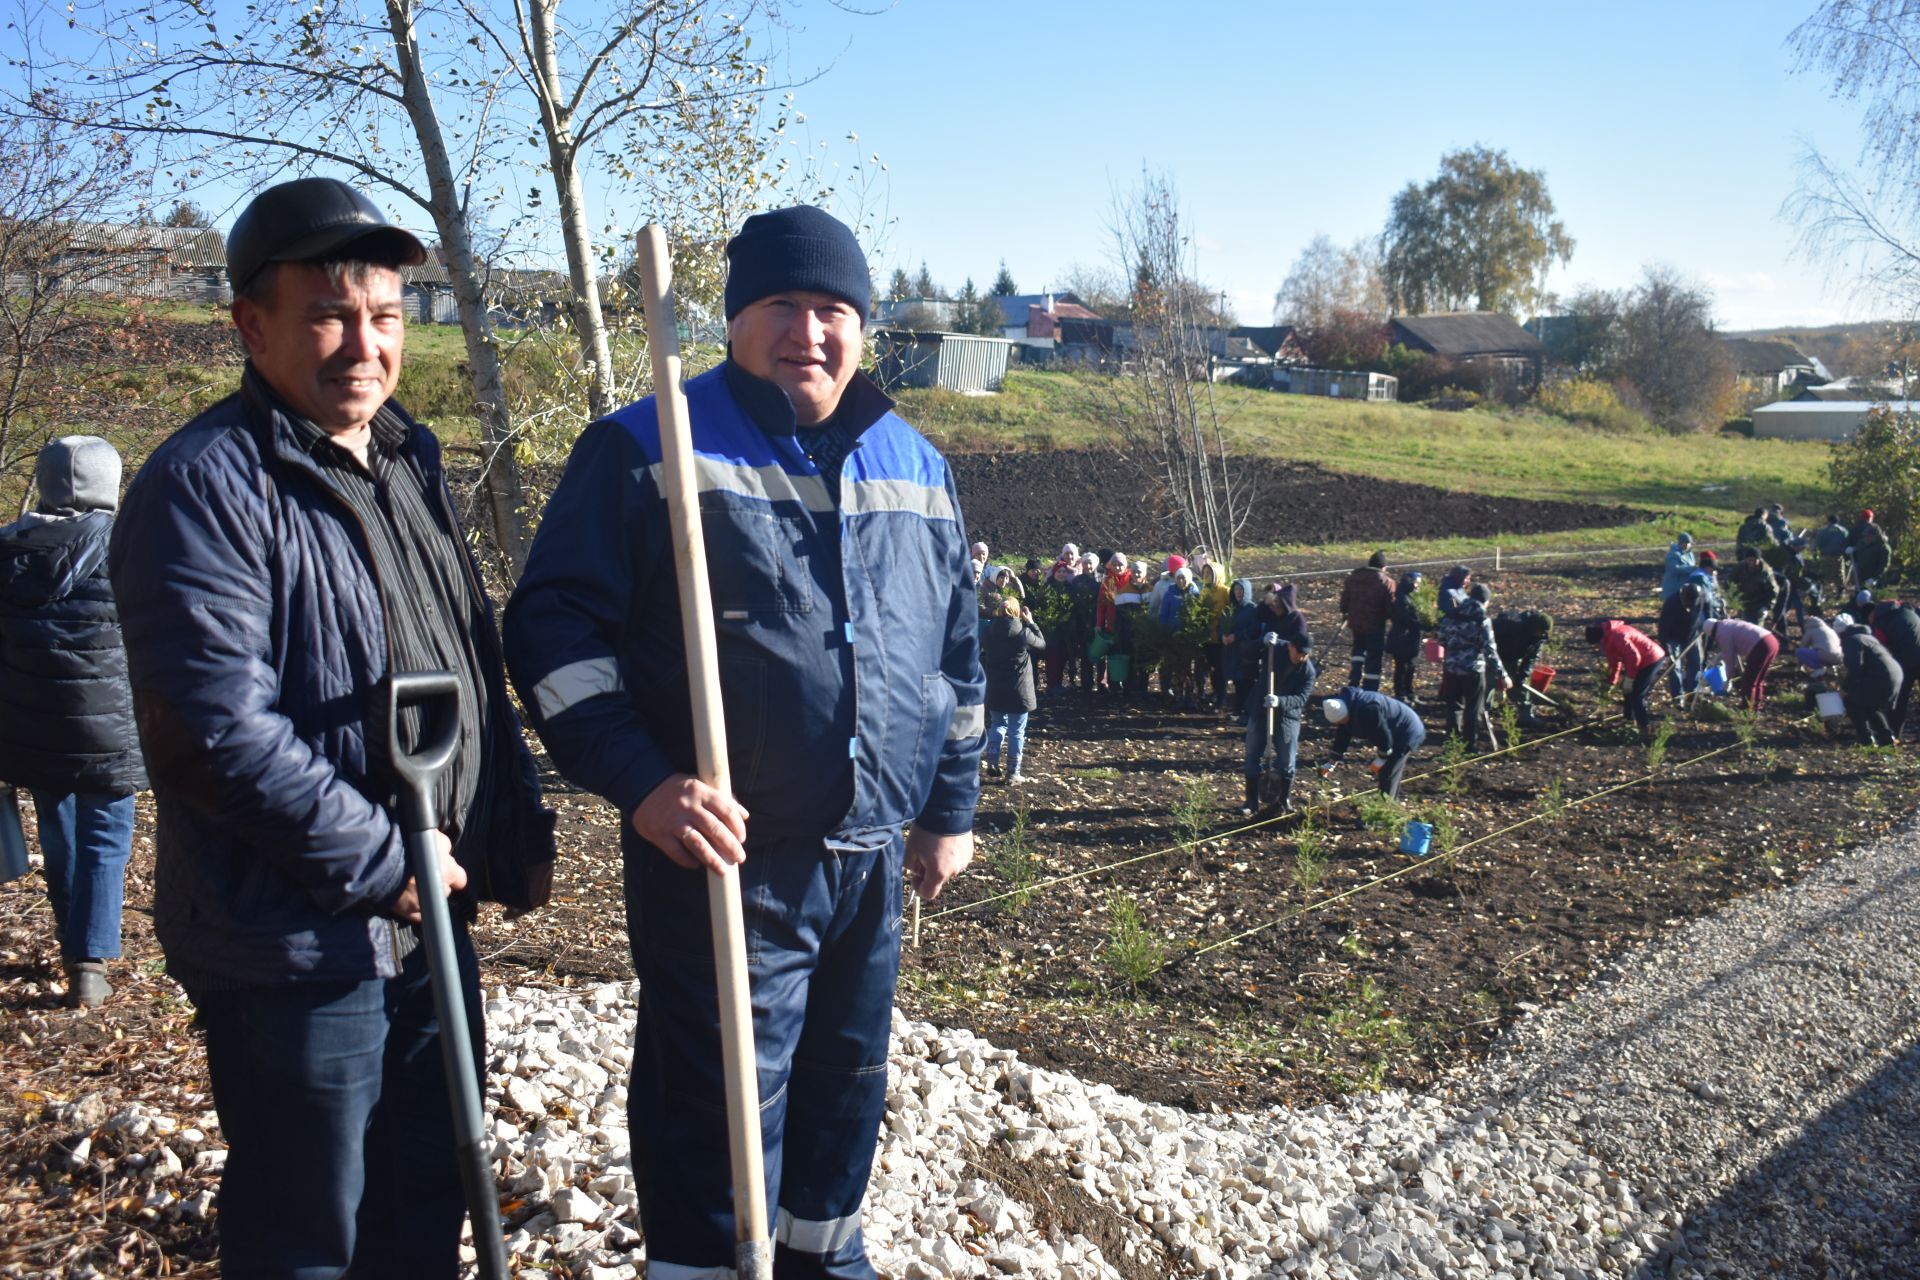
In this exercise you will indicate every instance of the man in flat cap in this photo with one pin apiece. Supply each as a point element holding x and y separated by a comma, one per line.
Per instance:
<point>275,558</point>
<point>854,706</point>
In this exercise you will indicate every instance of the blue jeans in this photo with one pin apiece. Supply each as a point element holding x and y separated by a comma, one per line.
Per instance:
<point>1012,726</point>
<point>333,1101</point>
<point>86,836</point>
<point>823,955</point>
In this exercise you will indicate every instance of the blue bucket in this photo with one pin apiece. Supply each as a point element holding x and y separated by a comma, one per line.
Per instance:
<point>1716,677</point>
<point>1415,837</point>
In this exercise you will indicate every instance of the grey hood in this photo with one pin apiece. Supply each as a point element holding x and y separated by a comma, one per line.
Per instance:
<point>76,474</point>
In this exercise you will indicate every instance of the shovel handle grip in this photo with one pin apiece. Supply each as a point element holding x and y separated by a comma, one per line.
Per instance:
<point>438,694</point>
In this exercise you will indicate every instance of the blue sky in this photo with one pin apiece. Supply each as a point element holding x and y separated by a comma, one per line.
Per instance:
<point>1668,132</point>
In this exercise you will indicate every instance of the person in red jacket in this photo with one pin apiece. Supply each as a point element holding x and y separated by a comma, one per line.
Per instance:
<point>1632,655</point>
<point>1366,600</point>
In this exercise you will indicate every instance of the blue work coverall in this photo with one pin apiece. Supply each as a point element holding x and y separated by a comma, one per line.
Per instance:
<point>854,703</point>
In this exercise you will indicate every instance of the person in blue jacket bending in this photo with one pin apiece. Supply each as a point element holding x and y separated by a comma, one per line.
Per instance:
<point>845,615</point>
<point>1392,727</point>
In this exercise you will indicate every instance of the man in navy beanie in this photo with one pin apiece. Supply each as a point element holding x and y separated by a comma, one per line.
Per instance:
<point>854,704</point>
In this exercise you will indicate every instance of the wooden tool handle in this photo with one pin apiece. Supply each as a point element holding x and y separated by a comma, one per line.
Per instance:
<point>754,1259</point>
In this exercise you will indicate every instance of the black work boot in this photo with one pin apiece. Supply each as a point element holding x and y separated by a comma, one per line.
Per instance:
<point>1253,796</point>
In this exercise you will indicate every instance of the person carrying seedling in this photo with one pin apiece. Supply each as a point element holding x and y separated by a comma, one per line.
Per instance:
<point>1392,727</point>
<point>1750,649</point>
<point>1473,665</point>
<point>1404,625</point>
<point>1366,601</point>
<point>1633,656</point>
<point>855,706</point>
<point>1871,686</point>
<point>1284,676</point>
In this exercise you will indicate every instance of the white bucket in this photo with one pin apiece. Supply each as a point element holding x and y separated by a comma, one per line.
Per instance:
<point>1831,704</point>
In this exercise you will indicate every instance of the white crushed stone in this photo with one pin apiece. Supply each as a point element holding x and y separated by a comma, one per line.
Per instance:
<point>1739,1098</point>
<point>1681,1116</point>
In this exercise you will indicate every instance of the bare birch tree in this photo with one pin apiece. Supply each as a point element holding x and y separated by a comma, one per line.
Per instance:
<point>1165,417</point>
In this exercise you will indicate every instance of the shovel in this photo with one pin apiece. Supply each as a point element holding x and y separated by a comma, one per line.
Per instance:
<point>416,774</point>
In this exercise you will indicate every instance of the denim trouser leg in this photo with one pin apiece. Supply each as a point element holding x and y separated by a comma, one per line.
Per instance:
<point>996,734</point>
<point>823,950</point>
<point>1016,724</point>
<point>333,1101</point>
<point>86,836</point>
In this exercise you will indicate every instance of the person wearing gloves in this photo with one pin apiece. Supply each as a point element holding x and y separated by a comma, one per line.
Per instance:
<point>1006,655</point>
<point>1871,685</point>
<point>1366,601</point>
<point>1680,563</point>
<point>66,711</point>
<point>1632,655</point>
<point>1473,665</point>
<point>1897,627</point>
<point>1391,726</point>
<point>1404,626</point>
<point>1750,650</point>
<point>1279,614</point>
<point>855,706</point>
<point>1283,680</point>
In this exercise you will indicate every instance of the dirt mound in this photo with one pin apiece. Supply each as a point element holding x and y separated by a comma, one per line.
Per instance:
<point>1033,502</point>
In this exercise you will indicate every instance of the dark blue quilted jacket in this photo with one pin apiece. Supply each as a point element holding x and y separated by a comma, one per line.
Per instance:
<point>255,636</point>
<point>66,714</point>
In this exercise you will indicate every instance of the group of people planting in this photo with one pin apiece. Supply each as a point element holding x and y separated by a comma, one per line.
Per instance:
<point>1103,622</point>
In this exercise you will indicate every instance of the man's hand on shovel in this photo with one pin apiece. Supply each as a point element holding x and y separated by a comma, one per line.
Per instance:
<point>407,905</point>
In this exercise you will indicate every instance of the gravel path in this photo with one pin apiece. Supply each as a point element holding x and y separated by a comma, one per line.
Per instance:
<point>1739,1099</point>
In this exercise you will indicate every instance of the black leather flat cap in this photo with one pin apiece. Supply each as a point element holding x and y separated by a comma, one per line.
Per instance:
<point>306,219</point>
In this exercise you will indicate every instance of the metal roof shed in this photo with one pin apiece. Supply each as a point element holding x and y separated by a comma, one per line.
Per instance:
<point>954,361</point>
<point>1818,419</point>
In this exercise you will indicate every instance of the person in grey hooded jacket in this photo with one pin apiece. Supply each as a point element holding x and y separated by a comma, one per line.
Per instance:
<point>67,730</point>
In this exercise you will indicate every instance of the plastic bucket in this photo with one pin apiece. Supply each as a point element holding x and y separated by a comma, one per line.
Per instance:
<point>1541,677</point>
<point>1119,666</point>
<point>1415,838</point>
<point>1716,677</point>
<point>1098,647</point>
<point>1830,704</point>
<point>1434,650</point>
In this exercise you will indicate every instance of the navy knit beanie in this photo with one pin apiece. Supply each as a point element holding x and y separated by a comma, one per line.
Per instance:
<point>798,248</point>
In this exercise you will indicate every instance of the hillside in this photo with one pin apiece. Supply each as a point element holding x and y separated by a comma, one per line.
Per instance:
<point>1707,483</point>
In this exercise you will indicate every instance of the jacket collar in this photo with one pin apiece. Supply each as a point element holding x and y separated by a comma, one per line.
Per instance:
<point>284,434</point>
<point>861,405</point>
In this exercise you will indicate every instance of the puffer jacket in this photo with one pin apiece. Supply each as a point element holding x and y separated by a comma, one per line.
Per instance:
<point>255,637</point>
<point>846,626</point>
<point>1171,612</point>
<point>1897,626</point>
<point>1628,650</point>
<point>1468,636</point>
<point>1007,647</point>
<point>66,711</point>
<point>1234,630</point>
<point>1873,676</point>
<point>1366,597</point>
<point>1823,640</point>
